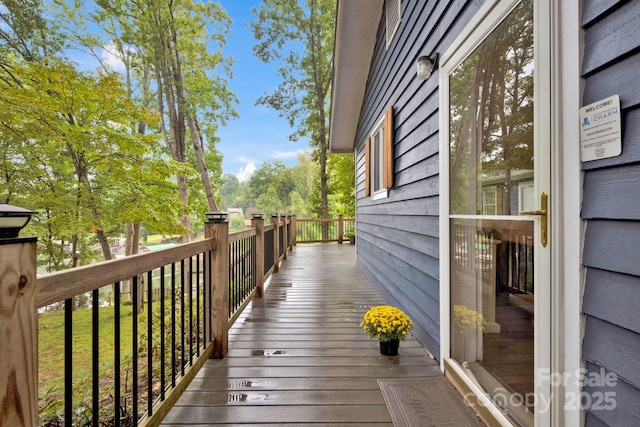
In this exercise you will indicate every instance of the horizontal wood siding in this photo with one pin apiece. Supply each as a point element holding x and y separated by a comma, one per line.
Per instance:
<point>626,398</point>
<point>611,209</point>
<point>398,243</point>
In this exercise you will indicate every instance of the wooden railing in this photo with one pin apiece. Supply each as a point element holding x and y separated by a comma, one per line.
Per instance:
<point>323,230</point>
<point>155,319</point>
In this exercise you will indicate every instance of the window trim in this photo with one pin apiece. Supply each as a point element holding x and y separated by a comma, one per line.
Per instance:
<point>378,159</point>
<point>383,152</point>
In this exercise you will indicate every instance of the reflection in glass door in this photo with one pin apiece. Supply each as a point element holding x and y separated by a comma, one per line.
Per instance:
<point>491,170</point>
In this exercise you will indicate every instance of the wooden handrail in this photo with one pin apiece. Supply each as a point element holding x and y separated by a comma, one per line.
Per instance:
<point>239,235</point>
<point>305,233</point>
<point>66,284</point>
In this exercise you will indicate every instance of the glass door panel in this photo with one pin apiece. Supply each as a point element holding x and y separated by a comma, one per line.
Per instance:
<point>491,170</point>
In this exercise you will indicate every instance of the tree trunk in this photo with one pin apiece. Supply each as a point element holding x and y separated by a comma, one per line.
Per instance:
<point>184,217</point>
<point>198,146</point>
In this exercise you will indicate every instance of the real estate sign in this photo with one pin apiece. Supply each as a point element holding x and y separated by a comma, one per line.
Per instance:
<point>600,129</point>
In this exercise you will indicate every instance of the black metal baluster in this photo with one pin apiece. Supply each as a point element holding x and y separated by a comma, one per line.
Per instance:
<point>198,305</point>
<point>254,263</point>
<point>182,360</point>
<point>238,273</point>
<point>150,342</point>
<point>231,296</point>
<point>237,281</point>
<point>173,324</point>
<point>244,271</point>
<point>68,362</point>
<point>162,338</point>
<point>205,299</point>
<point>134,348</point>
<point>95,366</point>
<point>190,283</point>
<point>116,354</point>
<point>209,293</point>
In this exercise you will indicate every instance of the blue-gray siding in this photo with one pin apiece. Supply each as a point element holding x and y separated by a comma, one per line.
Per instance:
<point>611,209</point>
<point>398,244</point>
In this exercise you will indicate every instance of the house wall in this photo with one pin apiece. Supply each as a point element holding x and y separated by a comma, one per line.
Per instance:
<point>611,210</point>
<point>398,242</point>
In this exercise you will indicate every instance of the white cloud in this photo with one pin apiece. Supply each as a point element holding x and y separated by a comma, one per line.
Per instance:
<point>246,171</point>
<point>245,159</point>
<point>282,155</point>
<point>112,57</point>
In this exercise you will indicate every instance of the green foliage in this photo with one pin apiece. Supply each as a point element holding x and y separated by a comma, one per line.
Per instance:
<point>342,192</point>
<point>236,223</point>
<point>274,187</point>
<point>72,155</point>
<point>51,357</point>
<point>297,38</point>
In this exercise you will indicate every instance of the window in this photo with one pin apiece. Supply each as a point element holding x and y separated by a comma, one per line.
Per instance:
<point>379,158</point>
<point>526,198</point>
<point>393,10</point>
<point>489,200</point>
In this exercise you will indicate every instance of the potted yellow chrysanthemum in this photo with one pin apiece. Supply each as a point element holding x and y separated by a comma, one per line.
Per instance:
<point>389,324</point>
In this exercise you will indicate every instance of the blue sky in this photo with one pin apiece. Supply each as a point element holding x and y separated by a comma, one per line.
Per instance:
<point>258,135</point>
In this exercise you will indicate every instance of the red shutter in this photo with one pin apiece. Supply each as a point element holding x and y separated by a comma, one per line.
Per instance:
<point>389,160</point>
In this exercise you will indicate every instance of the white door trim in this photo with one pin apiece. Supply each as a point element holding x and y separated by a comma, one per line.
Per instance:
<point>567,230</point>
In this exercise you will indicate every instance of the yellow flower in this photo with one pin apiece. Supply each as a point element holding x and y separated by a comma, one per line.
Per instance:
<point>386,323</point>
<point>466,319</point>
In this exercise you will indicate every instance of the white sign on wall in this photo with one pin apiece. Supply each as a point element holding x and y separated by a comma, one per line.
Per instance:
<point>601,129</point>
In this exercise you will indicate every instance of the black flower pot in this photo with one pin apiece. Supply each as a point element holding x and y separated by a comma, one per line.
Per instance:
<point>389,348</point>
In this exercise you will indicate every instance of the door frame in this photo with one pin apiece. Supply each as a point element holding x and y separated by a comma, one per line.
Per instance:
<point>557,48</point>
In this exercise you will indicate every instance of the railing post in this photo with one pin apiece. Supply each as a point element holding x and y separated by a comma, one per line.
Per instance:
<point>275,220</point>
<point>285,234</point>
<point>340,229</point>
<point>18,330</point>
<point>294,230</point>
<point>218,230</point>
<point>257,222</point>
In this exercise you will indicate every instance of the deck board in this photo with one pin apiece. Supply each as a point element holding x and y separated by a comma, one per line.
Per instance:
<point>298,355</point>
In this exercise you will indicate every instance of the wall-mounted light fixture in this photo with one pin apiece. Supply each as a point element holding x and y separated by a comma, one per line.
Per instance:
<point>12,220</point>
<point>425,65</point>
<point>217,216</point>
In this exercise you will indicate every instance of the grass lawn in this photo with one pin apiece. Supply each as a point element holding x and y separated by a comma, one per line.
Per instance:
<point>51,356</point>
<point>51,347</point>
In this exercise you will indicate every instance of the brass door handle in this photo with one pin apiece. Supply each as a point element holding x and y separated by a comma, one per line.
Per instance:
<point>543,214</point>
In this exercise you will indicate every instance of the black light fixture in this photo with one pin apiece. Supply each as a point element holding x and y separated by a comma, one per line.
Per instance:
<point>217,216</point>
<point>425,65</point>
<point>12,220</point>
<point>256,216</point>
<point>274,215</point>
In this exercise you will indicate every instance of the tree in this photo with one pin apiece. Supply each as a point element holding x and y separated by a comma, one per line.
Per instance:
<point>25,33</point>
<point>263,179</point>
<point>342,193</point>
<point>73,135</point>
<point>229,191</point>
<point>298,39</point>
<point>176,45</point>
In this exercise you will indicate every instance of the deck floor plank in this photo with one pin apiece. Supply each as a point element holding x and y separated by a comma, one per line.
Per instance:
<point>299,357</point>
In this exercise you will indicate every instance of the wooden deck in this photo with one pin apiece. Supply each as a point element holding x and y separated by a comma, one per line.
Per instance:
<point>298,355</point>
